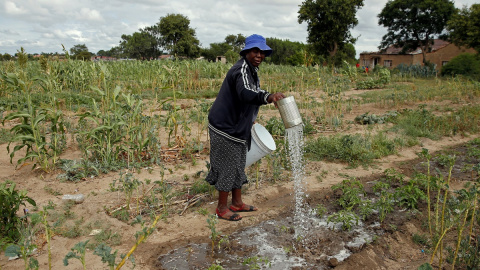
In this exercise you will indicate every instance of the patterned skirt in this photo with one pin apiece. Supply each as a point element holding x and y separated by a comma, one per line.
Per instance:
<point>227,163</point>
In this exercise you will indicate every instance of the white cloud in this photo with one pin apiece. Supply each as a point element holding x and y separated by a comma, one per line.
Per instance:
<point>89,15</point>
<point>11,8</point>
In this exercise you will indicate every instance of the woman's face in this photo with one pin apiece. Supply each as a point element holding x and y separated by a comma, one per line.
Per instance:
<point>255,56</point>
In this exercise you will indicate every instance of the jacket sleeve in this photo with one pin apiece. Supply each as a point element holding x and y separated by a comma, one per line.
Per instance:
<point>246,89</point>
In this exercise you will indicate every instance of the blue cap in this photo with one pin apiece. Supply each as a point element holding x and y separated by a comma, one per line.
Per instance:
<point>256,41</point>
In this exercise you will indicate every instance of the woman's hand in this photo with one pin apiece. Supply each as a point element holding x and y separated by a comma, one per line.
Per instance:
<point>275,97</point>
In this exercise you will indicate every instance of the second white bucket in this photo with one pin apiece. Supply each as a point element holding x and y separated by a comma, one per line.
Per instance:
<point>262,144</point>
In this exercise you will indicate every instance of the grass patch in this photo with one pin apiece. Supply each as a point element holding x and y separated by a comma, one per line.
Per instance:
<point>423,123</point>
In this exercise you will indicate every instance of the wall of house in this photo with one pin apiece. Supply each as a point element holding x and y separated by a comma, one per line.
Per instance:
<point>396,59</point>
<point>445,54</point>
<point>438,57</point>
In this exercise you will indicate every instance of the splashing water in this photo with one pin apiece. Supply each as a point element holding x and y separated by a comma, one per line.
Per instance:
<point>294,137</point>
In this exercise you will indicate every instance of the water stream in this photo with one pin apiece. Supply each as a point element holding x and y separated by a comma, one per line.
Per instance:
<point>294,138</point>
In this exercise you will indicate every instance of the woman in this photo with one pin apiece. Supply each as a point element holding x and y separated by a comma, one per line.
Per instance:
<point>230,122</point>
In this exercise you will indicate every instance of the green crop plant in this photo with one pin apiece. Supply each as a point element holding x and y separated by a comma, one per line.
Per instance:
<point>426,155</point>
<point>48,234</point>
<point>443,222</point>
<point>31,132</point>
<point>165,191</point>
<point>466,199</point>
<point>409,195</point>
<point>10,202</point>
<point>212,221</point>
<point>475,189</point>
<point>173,117</point>
<point>384,204</point>
<point>78,252</point>
<point>380,186</point>
<point>346,217</point>
<point>474,148</point>
<point>106,255</point>
<point>351,190</point>
<point>470,253</point>
<point>381,79</point>
<point>320,210</point>
<point>365,209</point>
<point>142,144</point>
<point>141,236</point>
<point>350,71</point>
<point>127,183</point>
<point>117,133</point>
<point>77,170</point>
<point>104,141</point>
<point>256,262</point>
<point>437,182</point>
<point>451,162</point>
<point>215,267</point>
<point>25,247</point>
<point>354,149</point>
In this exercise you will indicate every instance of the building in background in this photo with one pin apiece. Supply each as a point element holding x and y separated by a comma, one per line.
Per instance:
<point>441,52</point>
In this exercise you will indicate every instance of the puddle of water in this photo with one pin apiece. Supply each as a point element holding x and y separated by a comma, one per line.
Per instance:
<point>275,246</point>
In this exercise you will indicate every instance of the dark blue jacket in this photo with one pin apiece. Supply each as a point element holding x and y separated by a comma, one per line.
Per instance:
<point>237,103</point>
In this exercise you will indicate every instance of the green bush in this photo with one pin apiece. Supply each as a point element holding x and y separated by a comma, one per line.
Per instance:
<point>466,64</point>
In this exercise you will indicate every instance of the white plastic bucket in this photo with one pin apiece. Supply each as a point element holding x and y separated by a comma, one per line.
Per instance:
<point>262,144</point>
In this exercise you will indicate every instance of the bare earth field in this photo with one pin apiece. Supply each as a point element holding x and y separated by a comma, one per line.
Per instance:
<point>186,224</point>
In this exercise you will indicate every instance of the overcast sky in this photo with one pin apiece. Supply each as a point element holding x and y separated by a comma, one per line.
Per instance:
<point>44,25</point>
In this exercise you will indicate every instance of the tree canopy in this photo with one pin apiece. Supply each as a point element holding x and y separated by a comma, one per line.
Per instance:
<point>80,51</point>
<point>140,45</point>
<point>177,36</point>
<point>236,42</point>
<point>286,52</point>
<point>329,23</point>
<point>464,27</point>
<point>414,23</point>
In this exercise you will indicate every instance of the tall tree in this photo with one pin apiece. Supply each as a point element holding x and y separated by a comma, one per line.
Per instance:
<point>236,41</point>
<point>216,49</point>
<point>140,45</point>
<point>286,52</point>
<point>464,27</point>
<point>80,52</point>
<point>329,23</point>
<point>414,23</point>
<point>177,36</point>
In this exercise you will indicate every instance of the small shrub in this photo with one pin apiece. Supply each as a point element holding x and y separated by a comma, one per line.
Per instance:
<point>466,64</point>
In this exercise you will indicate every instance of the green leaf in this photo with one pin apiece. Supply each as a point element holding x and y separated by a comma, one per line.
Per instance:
<point>104,252</point>
<point>96,89</point>
<point>38,119</point>
<point>13,251</point>
<point>425,266</point>
<point>17,115</point>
